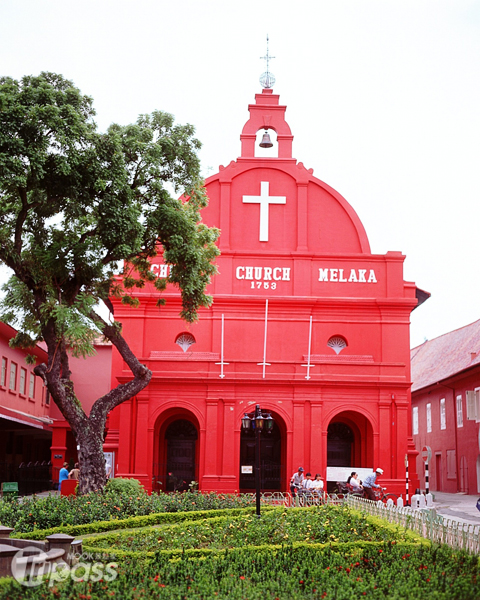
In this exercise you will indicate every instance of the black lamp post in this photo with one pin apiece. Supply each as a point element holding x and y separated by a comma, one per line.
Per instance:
<point>257,422</point>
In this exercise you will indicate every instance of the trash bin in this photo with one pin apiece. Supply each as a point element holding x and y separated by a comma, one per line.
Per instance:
<point>68,487</point>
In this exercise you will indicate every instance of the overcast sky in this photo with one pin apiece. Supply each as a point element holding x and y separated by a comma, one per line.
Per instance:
<point>383,99</point>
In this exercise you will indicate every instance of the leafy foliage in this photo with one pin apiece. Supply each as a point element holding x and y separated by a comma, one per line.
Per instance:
<point>121,485</point>
<point>35,513</point>
<point>75,202</point>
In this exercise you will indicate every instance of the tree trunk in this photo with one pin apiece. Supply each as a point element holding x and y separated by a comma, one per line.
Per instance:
<point>91,459</point>
<point>88,430</point>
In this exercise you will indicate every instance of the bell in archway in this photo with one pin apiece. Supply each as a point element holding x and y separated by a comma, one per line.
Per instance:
<point>266,141</point>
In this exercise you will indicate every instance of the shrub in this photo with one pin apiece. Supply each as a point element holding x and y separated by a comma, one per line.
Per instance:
<point>120,485</point>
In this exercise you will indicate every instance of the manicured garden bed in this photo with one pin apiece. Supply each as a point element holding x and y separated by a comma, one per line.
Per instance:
<point>319,552</point>
<point>276,526</point>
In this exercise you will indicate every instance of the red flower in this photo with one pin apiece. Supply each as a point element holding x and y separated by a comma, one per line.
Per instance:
<point>347,570</point>
<point>242,577</point>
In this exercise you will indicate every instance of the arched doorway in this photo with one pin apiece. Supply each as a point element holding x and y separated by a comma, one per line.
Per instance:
<point>271,449</point>
<point>340,439</point>
<point>349,445</point>
<point>181,440</point>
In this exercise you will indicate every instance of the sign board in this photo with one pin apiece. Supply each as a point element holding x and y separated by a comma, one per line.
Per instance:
<point>247,469</point>
<point>58,456</point>
<point>426,454</point>
<point>10,486</point>
<point>342,473</point>
<point>109,464</point>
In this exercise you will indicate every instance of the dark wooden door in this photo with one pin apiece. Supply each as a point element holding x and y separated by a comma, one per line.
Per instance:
<point>270,460</point>
<point>181,439</point>
<point>339,445</point>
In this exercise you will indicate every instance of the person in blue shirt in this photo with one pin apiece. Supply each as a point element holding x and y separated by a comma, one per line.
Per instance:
<point>369,483</point>
<point>62,475</point>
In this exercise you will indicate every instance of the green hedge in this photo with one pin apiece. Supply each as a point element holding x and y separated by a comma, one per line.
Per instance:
<point>338,572</point>
<point>134,522</point>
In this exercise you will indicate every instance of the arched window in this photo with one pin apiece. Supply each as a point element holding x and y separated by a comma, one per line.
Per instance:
<point>185,340</point>
<point>337,343</point>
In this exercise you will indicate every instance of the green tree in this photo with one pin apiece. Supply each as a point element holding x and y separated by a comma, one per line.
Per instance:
<point>77,206</point>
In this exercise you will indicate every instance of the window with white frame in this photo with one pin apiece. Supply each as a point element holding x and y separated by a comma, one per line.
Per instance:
<point>459,412</point>
<point>13,376</point>
<point>3,375</point>
<point>429,418</point>
<point>443,414</point>
<point>31,388</point>
<point>415,420</point>
<point>23,381</point>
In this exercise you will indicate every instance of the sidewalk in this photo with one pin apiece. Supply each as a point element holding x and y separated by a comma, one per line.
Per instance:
<point>461,507</point>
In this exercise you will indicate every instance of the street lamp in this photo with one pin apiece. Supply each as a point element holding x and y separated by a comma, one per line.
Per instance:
<point>257,422</point>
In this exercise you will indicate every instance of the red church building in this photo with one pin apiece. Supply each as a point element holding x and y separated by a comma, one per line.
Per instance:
<point>306,322</point>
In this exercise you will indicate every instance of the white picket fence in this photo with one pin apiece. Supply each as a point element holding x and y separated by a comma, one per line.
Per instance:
<point>426,522</point>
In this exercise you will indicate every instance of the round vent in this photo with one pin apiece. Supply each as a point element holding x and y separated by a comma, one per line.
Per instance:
<point>337,343</point>
<point>185,340</point>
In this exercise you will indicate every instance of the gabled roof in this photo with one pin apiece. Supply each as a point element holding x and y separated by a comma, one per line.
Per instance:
<point>445,356</point>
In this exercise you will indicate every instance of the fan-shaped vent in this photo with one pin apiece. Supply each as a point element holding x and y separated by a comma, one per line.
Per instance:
<point>337,343</point>
<point>185,340</point>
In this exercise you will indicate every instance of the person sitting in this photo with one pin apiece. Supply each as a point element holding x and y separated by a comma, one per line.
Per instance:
<point>354,483</point>
<point>317,486</point>
<point>306,490</point>
<point>370,485</point>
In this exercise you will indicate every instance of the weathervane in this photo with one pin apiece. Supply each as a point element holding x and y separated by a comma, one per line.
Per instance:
<point>267,79</point>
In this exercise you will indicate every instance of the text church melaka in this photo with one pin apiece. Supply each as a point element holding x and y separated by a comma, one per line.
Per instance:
<point>306,322</point>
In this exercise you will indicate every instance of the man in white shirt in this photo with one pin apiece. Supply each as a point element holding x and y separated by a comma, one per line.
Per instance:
<point>370,484</point>
<point>296,482</point>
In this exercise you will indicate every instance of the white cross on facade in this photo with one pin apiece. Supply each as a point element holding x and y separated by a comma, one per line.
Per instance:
<point>264,200</point>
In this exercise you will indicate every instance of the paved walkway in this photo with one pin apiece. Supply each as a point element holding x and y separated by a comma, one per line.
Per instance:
<point>461,507</point>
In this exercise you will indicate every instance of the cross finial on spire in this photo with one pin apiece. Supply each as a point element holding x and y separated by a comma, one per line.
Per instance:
<point>267,79</point>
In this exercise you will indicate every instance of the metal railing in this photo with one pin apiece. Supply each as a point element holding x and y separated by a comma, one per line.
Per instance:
<point>312,499</point>
<point>32,477</point>
<point>426,522</point>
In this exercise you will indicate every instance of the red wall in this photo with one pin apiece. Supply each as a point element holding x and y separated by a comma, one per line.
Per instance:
<point>312,262</point>
<point>455,464</point>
